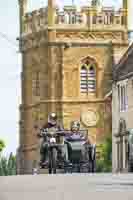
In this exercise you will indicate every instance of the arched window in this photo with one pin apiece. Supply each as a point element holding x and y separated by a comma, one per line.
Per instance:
<point>91,79</point>
<point>88,76</point>
<point>83,79</point>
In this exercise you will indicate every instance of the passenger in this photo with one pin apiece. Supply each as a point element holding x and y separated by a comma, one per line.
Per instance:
<point>74,135</point>
<point>75,131</point>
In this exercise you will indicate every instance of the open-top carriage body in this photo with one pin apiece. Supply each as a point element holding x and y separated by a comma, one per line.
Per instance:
<point>81,153</point>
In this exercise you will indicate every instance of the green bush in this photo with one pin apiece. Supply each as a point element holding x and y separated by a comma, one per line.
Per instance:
<point>7,165</point>
<point>104,164</point>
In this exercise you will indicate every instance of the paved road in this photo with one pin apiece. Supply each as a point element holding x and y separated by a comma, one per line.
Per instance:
<point>67,187</point>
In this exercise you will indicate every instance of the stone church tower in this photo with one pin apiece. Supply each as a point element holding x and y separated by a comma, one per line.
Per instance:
<point>67,59</point>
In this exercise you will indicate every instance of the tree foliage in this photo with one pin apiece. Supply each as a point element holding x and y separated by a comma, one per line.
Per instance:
<point>2,145</point>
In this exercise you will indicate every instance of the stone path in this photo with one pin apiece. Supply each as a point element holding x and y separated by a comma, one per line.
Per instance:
<point>67,187</point>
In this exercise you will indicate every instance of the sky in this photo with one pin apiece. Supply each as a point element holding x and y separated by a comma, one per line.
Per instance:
<point>10,65</point>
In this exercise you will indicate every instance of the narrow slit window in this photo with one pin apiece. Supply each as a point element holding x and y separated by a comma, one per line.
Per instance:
<point>36,84</point>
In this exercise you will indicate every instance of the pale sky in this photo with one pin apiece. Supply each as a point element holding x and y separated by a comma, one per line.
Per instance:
<point>10,65</point>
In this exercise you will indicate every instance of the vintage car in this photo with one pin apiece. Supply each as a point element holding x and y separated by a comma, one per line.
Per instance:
<point>72,154</point>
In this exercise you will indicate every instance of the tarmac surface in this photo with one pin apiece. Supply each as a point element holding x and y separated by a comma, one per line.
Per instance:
<point>67,187</point>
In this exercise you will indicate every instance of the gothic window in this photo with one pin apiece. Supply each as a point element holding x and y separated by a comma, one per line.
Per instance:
<point>88,77</point>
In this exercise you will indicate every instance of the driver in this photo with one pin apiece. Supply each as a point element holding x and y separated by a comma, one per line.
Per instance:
<point>53,125</point>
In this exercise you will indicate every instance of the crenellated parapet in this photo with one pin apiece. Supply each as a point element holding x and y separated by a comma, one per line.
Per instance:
<point>89,16</point>
<point>70,17</point>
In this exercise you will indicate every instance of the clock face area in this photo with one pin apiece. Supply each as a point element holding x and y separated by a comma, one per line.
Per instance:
<point>89,118</point>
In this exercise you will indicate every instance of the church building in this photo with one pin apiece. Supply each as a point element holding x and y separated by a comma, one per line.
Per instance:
<point>67,59</point>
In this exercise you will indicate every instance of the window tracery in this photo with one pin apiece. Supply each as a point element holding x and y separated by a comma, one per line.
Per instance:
<point>88,77</point>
